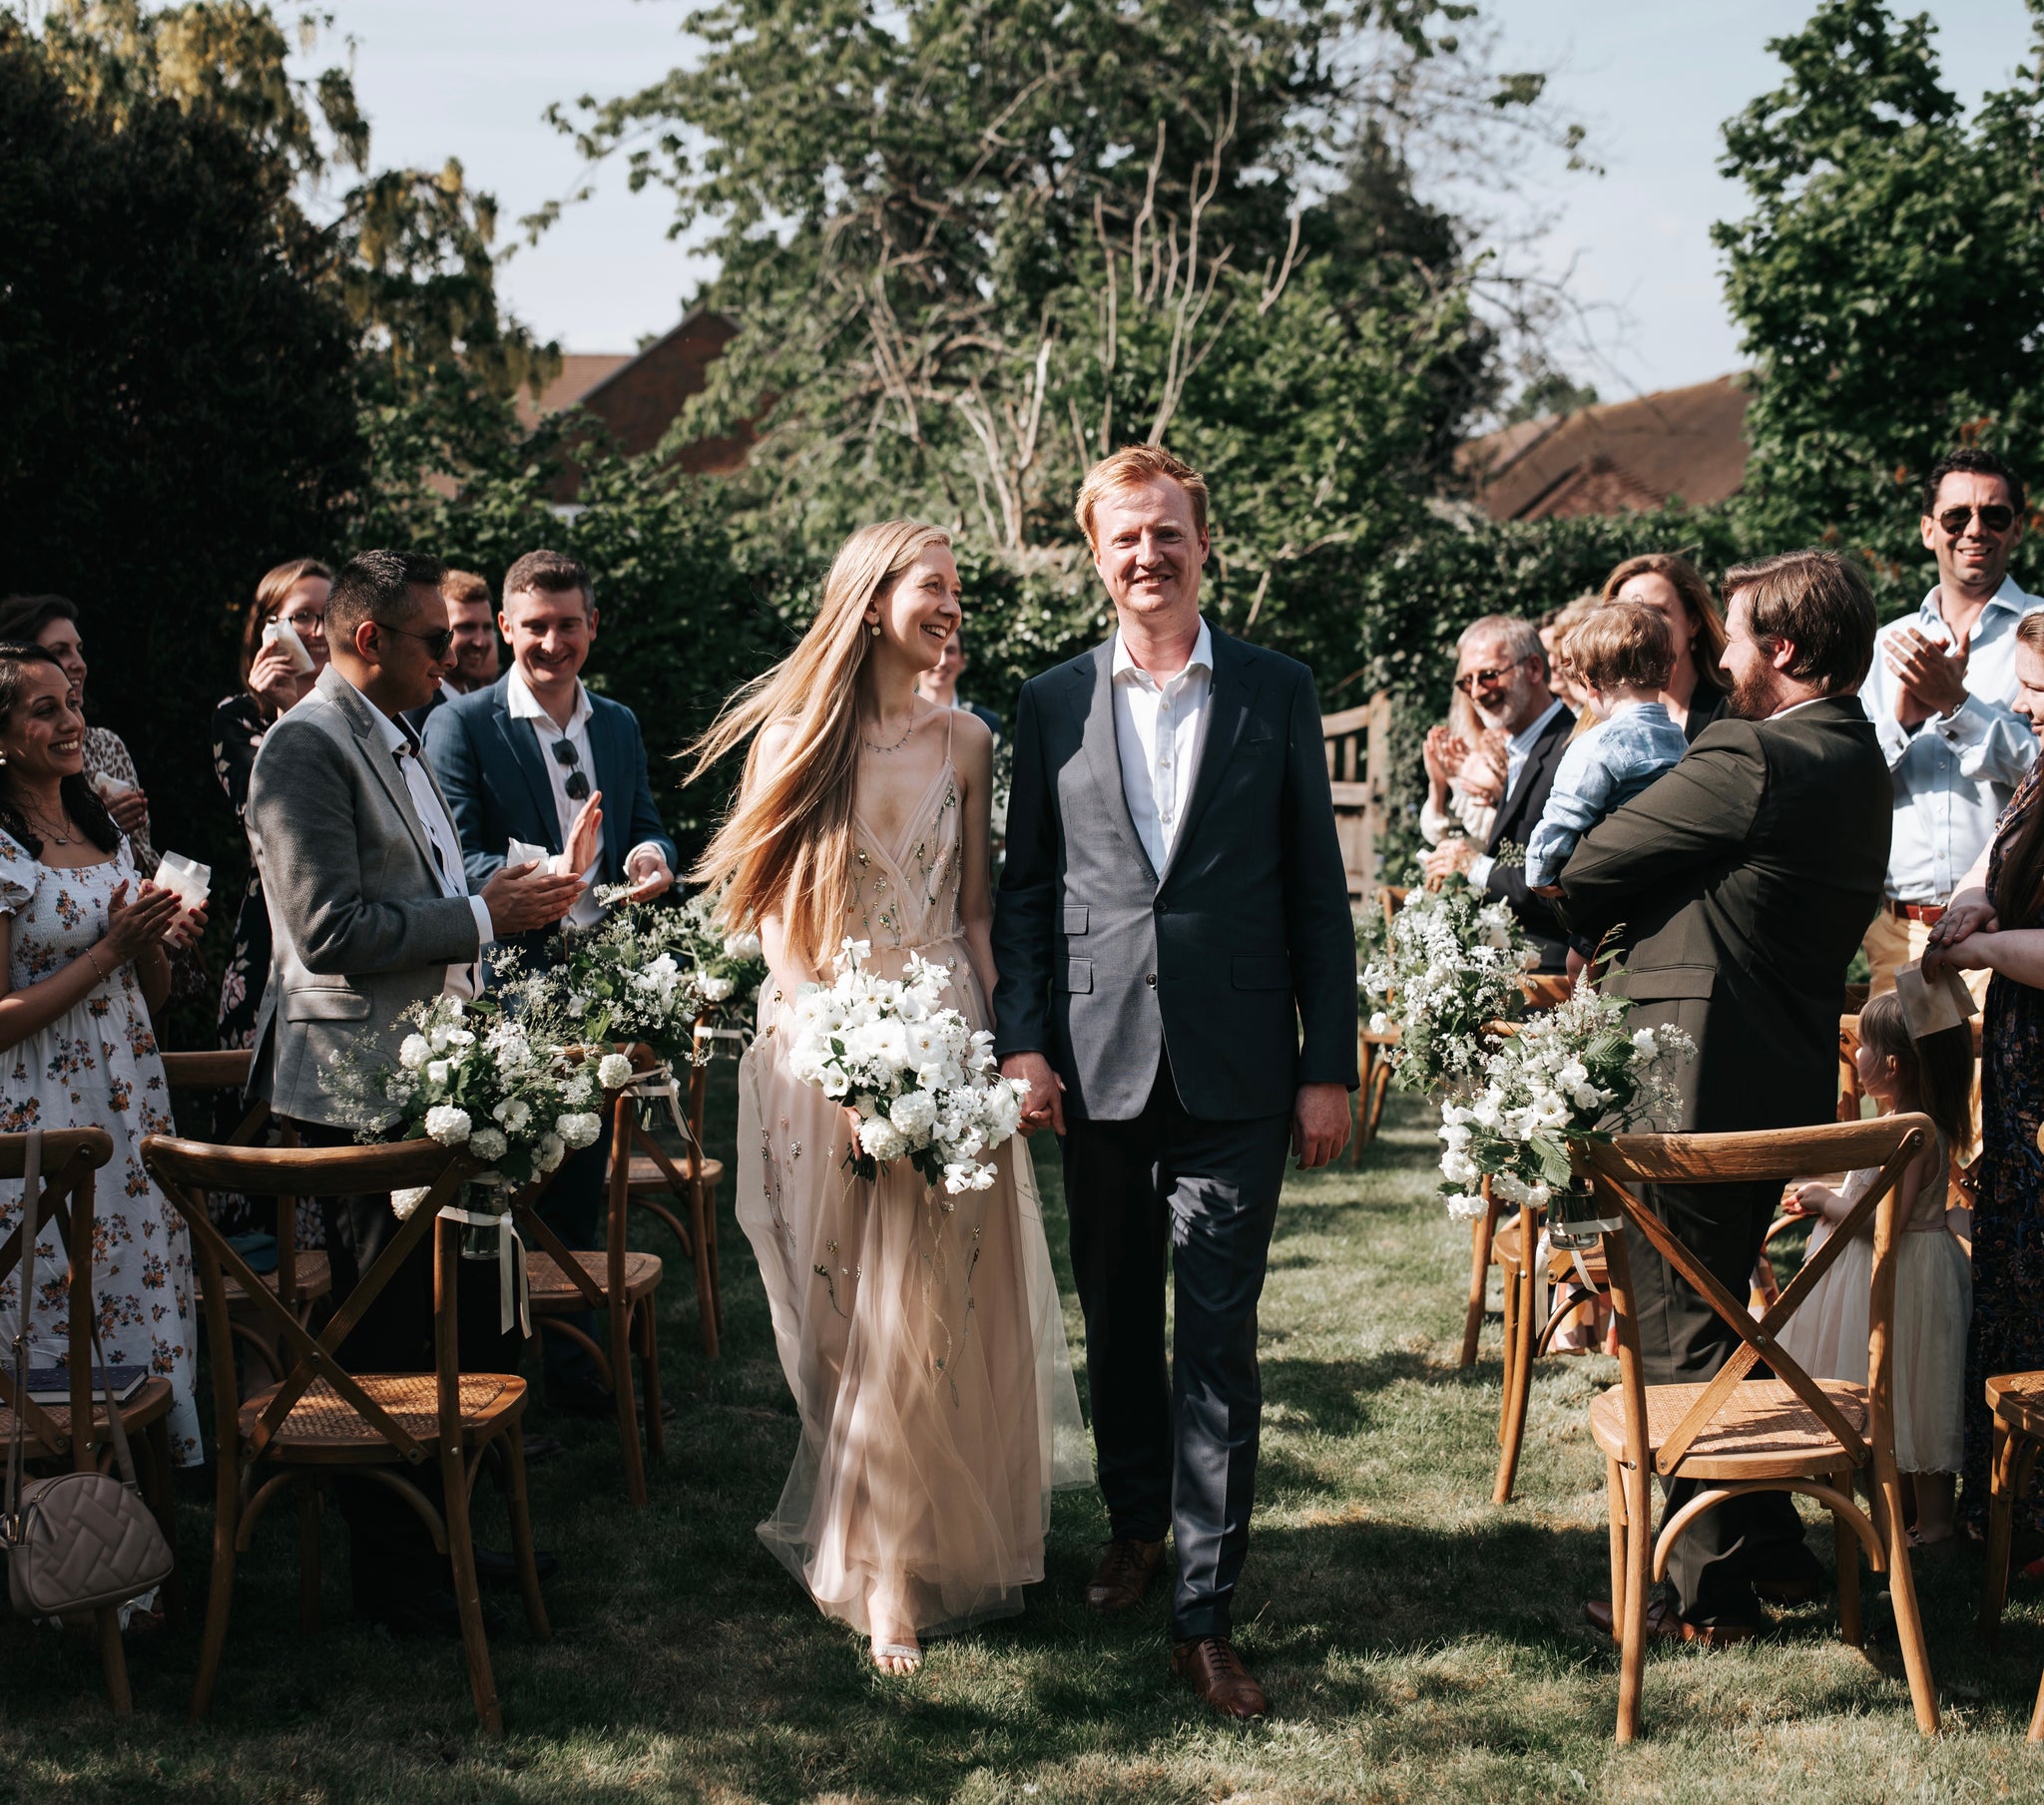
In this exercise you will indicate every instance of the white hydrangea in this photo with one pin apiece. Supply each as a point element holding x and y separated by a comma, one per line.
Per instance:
<point>742,946</point>
<point>447,1124</point>
<point>578,1130</point>
<point>406,1199</point>
<point>714,989</point>
<point>613,1072</point>
<point>512,1114</point>
<point>414,1052</point>
<point>489,1144</point>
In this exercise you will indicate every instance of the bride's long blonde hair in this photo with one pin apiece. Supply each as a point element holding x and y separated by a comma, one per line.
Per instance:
<point>785,848</point>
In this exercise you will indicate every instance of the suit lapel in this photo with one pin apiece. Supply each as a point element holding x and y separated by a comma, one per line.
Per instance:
<point>1227,713</point>
<point>383,763</point>
<point>606,749</point>
<point>1093,703</point>
<point>1546,753</point>
<point>523,750</point>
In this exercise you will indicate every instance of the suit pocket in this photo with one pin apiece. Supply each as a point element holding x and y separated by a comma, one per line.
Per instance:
<point>1078,976</point>
<point>1263,974</point>
<point>1665,981</point>
<point>1077,916</point>
<point>326,1006</point>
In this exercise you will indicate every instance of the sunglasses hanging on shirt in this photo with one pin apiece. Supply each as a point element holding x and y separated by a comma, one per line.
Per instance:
<point>578,780</point>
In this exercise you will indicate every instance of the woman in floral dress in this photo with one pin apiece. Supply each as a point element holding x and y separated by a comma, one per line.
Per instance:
<point>87,944</point>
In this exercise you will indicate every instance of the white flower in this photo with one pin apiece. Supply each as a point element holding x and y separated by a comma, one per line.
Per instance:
<point>488,1143</point>
<point>964,1174</point>
<point>436,1072</point>
<point>613,1072</point>
<point>447,1124</point>
<point>715,990</point>
<point>914,1112</point>
<point>881,1140</point>
<point>414,1053</point>
<point>578,1130</point>
<point>549,1154</point>
<point>742,946</point>
<point>1643,1038</point>
<point>407,1199</point>
<point>513,1113</point>
<point>1380,1023</point>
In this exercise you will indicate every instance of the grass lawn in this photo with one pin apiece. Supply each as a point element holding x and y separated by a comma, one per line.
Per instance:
<point>1417,1642</point>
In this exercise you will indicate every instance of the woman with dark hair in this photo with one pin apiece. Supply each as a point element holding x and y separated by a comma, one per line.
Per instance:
<point>85,941</point>
<point>292,598</point>
<point>51,621</point>
<point>1995,923</point>
<point>1667,582</point>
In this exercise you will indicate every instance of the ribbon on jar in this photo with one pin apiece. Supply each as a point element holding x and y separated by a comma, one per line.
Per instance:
<point>658,1086</point>
<point>513,1294</point>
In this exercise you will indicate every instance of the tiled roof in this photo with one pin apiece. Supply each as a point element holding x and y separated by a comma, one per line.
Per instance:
<point>1615,457</point>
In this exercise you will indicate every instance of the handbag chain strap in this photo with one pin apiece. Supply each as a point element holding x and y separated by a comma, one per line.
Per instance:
<point>31,1196</point>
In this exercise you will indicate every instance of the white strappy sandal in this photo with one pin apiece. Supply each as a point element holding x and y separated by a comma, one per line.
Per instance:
<point>897,1652</point>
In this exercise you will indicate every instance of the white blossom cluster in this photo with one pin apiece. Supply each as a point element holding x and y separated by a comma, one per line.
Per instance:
<point>920,1078</point>
<point>1453,963</point>
<point>473,1077</point>
<point>1573,1073</point>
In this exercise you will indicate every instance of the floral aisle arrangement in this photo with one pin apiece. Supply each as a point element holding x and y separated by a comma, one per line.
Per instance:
<point>621,981</point>
<point>1572,1074</point>
<point>1449,962</point>
<point>729,967</point>
<point>918,1076</point>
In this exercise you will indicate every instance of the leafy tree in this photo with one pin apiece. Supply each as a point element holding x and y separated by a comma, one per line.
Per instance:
<point>1889,280</point>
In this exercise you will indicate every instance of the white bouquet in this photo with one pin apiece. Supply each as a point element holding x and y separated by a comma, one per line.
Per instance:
<point>920,1077</point>
<point>1451,962</point>
<point>621,981</point>
<point>1570,1074</point>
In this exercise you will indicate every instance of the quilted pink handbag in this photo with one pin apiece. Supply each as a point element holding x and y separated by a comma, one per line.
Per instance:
<point>82,1540</point>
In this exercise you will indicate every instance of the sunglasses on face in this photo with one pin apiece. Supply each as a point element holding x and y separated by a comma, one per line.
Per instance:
<point>1482,680</point>
<point>1995,517</point>
<point>436,643</point>
<point>564,752</point>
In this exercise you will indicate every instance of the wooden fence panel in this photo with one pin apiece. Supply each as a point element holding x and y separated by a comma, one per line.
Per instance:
<point>1358,745</point>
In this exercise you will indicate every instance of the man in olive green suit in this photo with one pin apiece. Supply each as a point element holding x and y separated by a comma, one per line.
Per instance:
<point>1744,879</point>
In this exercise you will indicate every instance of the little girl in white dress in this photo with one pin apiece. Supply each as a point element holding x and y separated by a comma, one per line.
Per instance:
<point>1826,1337</point>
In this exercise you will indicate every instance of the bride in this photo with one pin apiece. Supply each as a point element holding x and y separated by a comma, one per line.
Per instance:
<point>920,1332</point>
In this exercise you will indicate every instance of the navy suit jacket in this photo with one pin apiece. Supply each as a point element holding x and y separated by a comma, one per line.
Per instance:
<point>493,774</point>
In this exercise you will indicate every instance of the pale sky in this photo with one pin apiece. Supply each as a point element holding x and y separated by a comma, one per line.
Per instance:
<point>1654,80</point>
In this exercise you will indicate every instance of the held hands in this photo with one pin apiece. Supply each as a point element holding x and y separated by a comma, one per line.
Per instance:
<point>1320,1123</point>
<point>1969,914</point>
<point>1933,678</point>
<point>138,927</point>
<point>523,897</point>
<point>1456,853</point>
<point>647,870</point>
<point>1046,1103</point>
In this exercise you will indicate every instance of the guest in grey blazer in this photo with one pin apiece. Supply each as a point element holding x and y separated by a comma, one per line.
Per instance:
<point>369,912</point>
<point>1176,983</point>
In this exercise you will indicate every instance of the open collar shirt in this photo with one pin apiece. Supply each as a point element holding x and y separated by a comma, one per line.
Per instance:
<point>1157,728</point>
<point>1953,773</point>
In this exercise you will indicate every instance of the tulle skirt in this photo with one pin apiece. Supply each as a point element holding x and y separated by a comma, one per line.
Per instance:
<point>923,1340</point>
<point>1826,1337</point>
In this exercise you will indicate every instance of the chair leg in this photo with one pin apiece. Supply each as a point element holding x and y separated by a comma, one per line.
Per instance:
<point>114,1659</point>
<point>1365,1059</point>
<point>309,1507</point>
<point>1846,1557</point>
<point>706,1283</point>
<point>1632,1654</point>
<point>1518,1391</point>
<point>1903,1595</point>
<point>1614,1487</point>
<point>521,1537</point>
<point>1510,1351</point>
<point>626,1399</point>
<point>163,1506</point>
<point>1480,1232</point>
<point>219,1592</point>
<point>2000,1529</point>
<point>467,1596</point>
<point>715,1272</point>
<point>649,1368</point>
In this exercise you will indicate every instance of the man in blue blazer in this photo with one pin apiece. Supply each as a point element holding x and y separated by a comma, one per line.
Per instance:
<point>532,758</point>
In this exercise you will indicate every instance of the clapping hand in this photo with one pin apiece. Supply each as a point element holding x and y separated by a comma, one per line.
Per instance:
<point>1483,774</point>
<point>1454,854</point>
<point>523,897</point>
<point>585,834</point>
<point>1443,754</point>
<point>134,928</point>
<point>1933,678</point>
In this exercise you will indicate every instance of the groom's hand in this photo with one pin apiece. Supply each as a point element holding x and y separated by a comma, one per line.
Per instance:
<point>1046,1105</point>
<point>1320,1123</point>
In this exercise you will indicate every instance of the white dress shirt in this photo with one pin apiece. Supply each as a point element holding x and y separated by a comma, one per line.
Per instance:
<point>404,745</point>
<point>524,706</point>
<point>1157,730</point>
<point>1518,749</point>
<point>1953,773</point>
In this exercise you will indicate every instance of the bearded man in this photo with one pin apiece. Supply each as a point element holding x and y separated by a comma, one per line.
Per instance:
<point>1745,878</point>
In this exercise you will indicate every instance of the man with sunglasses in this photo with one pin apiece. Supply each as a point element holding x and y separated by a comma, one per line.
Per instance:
<point>1939,696</point>
<point>537,759</point>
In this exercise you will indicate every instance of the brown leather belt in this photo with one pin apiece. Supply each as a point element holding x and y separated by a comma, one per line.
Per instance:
<point>1929,914</point>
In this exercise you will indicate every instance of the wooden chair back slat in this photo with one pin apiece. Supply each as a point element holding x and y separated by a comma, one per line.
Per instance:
<point>65,1199</point>
<point>1771,1153</point>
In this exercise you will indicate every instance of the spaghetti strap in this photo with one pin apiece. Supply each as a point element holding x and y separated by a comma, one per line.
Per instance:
<point>950,714</point>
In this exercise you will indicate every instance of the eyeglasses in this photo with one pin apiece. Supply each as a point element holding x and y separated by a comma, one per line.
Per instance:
<point>1995,517</point>
<point>564,752</point>
<point>1483,679</point>
<point>436,643</point>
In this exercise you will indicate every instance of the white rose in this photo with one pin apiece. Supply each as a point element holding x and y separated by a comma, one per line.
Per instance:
<point>404,1203</point>
<point>417,1049</point>
<point>488,1143</point>
<point>447,1124</point>
<point>613,1071</point>
<point>715,990</point>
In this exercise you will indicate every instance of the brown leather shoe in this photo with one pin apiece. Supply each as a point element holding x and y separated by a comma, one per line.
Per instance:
<point>1123,1577</point>
<point>1224,1684</point>
<point>1665,1624</point>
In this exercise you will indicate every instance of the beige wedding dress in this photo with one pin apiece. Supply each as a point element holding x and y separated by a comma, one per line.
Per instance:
<point>920,1333</point>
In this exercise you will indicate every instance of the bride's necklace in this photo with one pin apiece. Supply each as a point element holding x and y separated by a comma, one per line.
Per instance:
<point>897,745</point>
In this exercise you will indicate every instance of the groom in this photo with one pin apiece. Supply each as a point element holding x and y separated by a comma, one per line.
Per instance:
<point>1177,987</point>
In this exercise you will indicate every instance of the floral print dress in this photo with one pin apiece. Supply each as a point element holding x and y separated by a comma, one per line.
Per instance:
<point>98,1068</point>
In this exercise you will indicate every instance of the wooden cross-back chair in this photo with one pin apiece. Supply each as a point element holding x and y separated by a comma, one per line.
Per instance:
<point>79,1431</point>
<point>652,1175</point>
<point>614,1282</point>
<point>301,1280</point>
<point>2016,1405</point>
<point>325,1417</point>
<point>1374,1070</point>
<point>1736,1434</point>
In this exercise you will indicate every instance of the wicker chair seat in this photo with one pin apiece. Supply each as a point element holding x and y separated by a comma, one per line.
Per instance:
<point>323,1426</point>
<point>647,1176</point>
<point>315,1280</point>
<point>552,1289</point>
<point>149,1401</point>
<point>2017,1399</point>
<point>1762,1431</point>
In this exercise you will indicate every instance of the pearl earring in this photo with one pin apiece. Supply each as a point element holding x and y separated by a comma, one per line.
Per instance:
<point>874,630</point>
